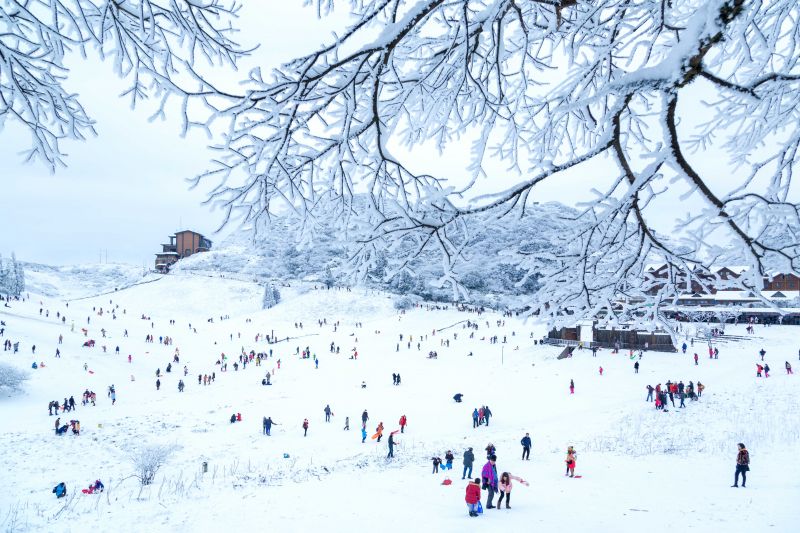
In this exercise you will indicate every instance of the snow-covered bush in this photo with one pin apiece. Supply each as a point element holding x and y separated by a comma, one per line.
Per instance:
<point>403,303</point>
<point>148,460</point>
<point>11,379</point>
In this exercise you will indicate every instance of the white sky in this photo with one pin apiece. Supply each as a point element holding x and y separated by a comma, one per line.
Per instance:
<point>124,191</point>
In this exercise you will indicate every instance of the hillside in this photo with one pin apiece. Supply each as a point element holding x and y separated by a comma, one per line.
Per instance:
<point>628,451</point>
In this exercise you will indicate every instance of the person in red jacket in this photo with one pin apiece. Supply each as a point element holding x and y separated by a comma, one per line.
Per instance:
<point>403,422</point>
<point>473,496</point>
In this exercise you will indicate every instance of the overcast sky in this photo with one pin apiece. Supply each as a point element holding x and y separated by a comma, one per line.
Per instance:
<point>124,191</point>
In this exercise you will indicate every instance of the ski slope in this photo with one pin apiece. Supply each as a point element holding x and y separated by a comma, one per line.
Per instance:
<point>641,468</point>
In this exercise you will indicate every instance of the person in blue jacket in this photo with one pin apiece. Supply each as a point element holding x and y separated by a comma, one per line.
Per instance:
<point>363,434</point>
<point>475,418</point>
<point>60,490</point>
<point>526,447</point>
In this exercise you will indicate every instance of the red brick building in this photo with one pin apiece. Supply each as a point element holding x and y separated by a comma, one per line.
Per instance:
<point>182,244</point>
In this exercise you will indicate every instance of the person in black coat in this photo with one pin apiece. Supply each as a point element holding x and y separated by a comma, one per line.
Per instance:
<point>458,397</point>
<point>469,458</point>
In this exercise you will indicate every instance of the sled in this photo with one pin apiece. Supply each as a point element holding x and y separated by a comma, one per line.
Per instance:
<point>375,436</point>
<point>447,481</point>
<point>633,357</point>
<point>577,477</point>
<point>91,371</point>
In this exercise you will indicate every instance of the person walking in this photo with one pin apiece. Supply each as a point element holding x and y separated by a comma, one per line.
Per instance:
<point>347,423</point>
<point>328,413</point>
<point>473,496</point>
<point>469,459</point>
<point>505,488</point>
<point>766,370</point>
<point>379,431</point>
<point>391,443</point>
<point>571,387</point>
<point>158,384</point>
<point>526,447</point>
<point>788,367</point>
<point>436,462</point>
<point>489,476</point>
<point>363,434</point>
<point>762,353</point>
<point>364,418</point>
<point>636,367</point>
<point>403,422</point>
<point>742,466</point>
<point>305,427</point>
<point>696,358</point>
<point>475,418</point>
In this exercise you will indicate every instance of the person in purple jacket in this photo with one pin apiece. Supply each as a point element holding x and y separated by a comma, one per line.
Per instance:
<point>489,475</point>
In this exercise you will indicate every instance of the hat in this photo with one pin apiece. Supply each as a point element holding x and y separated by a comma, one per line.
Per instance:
<point>493,458</point>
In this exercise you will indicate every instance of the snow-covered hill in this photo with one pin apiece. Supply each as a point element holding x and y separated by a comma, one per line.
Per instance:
<point>80,281</point>
<point>641,468</point>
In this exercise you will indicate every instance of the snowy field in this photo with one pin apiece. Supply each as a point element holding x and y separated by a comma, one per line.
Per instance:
<point>642,469</point>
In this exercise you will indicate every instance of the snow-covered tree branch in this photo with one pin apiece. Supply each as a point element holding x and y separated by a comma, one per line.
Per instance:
<point>546,88</point>
<point>156,44</point>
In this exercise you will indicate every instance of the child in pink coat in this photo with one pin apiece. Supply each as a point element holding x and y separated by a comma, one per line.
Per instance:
<point>505,488</point>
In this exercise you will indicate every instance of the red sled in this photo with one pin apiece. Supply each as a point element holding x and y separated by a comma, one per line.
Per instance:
<point>447,481</point>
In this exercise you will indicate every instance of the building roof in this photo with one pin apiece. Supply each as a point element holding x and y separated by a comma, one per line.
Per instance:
<point>167,253</point>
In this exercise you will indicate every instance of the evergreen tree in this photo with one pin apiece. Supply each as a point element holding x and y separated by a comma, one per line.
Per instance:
<point>271,296</point>
<point>17,277</point>
<point>3,277</point>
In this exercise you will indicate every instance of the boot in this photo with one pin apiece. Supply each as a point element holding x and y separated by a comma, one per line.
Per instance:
<point>508,501</point>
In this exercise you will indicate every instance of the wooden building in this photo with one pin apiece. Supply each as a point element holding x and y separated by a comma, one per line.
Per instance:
<point>182,244</point>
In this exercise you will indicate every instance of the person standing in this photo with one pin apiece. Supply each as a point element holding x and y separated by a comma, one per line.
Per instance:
<point>469,459</point>
<point>571,387</point>
<point>788,368</point>
<point>473,496</point>
<point>363,434</point>
<point>364,418</point>
<point>766,370</point>
<point>489,475</point>
<point>328,413</point>
<point>742,466</point>
<point>526,447</point>
<point>636,367</point>
<point>305,427</point>
<point>347,423</point>
<point>475,418</point>
<point>762,353</point>
<point>696,358</point>
<point>649,393</point>
<point>391,445</point>
<point>403,422</point>
<point>487,414</point>
<point>379,431</point>
<point>571,460</point>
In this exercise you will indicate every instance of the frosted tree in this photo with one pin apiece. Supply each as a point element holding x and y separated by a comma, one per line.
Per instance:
<point>542,88</point>
<point>545,87</point>
<point>271,296</point>
<point>16,277</point>
<point>156,44</point>
<point>3,277</point>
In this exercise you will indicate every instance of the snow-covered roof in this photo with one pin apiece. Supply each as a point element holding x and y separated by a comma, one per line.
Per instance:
<point>736,269</point>
<point>167,253</point>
